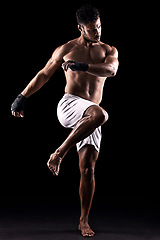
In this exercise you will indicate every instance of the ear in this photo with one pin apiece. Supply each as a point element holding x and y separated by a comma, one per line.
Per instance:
<point>79,27</point>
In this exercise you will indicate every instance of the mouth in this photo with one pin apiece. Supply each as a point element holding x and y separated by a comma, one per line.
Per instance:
<point>97,38</point>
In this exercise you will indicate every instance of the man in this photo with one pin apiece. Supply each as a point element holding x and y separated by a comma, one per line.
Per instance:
<point>86,62</point>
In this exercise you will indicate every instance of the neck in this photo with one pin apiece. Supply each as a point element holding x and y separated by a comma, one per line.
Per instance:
<point>84,41</point>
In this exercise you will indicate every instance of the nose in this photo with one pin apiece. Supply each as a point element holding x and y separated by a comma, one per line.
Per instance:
<point>97,32</point>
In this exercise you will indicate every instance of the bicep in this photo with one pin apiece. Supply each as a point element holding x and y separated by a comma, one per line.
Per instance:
<point>112,56</point>
<point>53,64</point>
<point>57,59</point>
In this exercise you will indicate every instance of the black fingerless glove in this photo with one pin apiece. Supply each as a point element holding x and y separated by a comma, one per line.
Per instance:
<point>18,103</point>
<point>78,66</point>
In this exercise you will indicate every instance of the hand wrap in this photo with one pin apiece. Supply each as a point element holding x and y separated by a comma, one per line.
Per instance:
<point>78,66</point>
<point>18,103</point>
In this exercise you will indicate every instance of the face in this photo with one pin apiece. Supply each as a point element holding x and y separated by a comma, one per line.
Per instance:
<point>92,31</point>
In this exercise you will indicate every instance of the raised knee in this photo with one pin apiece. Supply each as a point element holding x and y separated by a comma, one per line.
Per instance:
<point>101,116</point>
<point>105,116</point>
<point>97,115</point>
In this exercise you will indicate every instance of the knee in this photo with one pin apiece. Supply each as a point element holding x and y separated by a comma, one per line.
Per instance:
<point>105,116</point>
<point>97,115</point>
<point>101,116</point>
<point>88,173</point>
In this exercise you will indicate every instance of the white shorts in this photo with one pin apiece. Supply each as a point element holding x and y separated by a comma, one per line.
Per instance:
<point>70,110</point>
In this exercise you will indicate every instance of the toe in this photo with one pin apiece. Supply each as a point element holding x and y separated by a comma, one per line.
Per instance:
<point>85,233</point>
<point>88,233</point>
<point>91,234</point>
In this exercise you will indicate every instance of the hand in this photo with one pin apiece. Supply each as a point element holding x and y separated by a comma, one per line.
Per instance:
<point>75,66</point>
<point>67,65</point>
<point>18,114</point>
<point>17,107</point>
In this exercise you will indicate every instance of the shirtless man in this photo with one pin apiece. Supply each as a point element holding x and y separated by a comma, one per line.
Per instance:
<point>86,62</point>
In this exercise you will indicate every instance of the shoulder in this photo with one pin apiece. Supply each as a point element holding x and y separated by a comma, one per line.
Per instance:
<point>110,50</point>
<point>62,50</point>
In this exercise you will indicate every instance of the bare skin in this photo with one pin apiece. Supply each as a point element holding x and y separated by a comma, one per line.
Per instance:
<point>102,61</point>
<point>87,160</point>
<point>54,163</point>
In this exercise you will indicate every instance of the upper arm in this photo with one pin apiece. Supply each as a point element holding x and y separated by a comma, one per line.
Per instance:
<point>54,62</point>
<point>112,55</point>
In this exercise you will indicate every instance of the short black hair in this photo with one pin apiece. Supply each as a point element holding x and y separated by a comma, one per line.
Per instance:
<point>87,14</point>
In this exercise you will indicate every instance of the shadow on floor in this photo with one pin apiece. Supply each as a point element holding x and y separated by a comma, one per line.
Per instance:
<point>39,222</point>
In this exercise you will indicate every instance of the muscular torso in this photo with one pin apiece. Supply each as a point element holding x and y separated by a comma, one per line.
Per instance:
<point>84,84</point>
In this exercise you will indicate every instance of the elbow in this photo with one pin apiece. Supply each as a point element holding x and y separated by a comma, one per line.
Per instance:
<point>113,73</point>
<point>112,69</point>
<point>110,73</point>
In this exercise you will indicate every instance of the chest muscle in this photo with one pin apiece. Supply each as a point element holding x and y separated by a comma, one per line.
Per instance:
<point>81,54</point>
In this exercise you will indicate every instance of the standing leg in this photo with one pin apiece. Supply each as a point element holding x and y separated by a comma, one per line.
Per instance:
<point>87,159</point>
<point>94,117</point>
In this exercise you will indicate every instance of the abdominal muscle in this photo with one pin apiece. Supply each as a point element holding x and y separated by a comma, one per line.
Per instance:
<point>84,85</point>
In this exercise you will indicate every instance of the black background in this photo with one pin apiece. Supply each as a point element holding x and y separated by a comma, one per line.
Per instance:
<point>128,163</point>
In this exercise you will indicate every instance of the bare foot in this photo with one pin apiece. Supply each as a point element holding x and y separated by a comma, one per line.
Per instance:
<point>85,229</point>
<point>54,163</point>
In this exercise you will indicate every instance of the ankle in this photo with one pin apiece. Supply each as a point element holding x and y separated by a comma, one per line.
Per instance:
<point>83,219</point>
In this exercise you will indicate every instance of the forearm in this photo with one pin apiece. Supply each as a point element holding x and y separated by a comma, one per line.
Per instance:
<point>102,69</point>
<point>35,84</point>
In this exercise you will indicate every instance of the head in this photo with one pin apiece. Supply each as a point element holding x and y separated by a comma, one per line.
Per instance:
<point>89,23</point>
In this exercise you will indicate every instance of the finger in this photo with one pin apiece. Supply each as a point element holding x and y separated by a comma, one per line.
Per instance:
<point>17,114</point>
<point>14,113</point>
<point>66,67</point>
<point>63,66</point>
<point>21,113</point>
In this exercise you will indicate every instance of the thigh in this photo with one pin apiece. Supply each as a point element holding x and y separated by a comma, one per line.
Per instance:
<point>87,157</point>
<point>71,109</point>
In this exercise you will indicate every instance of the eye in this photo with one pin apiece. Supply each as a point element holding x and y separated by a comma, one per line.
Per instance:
<point>94,29</point>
